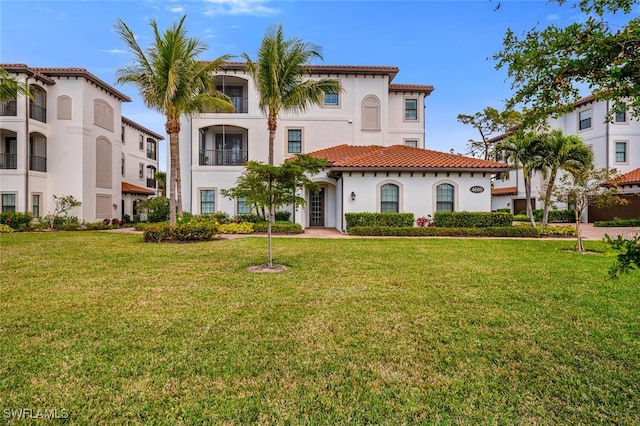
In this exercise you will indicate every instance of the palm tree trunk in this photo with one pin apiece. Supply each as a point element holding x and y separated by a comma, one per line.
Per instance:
<point>173,182</point>
<point>547,197</point>
<point>272,124</point>
<point>527,195</point>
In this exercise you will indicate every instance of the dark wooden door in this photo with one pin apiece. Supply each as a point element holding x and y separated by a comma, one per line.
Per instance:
<point>316,212</point>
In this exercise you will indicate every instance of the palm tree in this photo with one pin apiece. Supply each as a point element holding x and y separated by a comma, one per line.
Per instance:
<point>172,81</point>
<point>161,178</point>
<point>279,76</point>
<point>566,152</point>
<point>524,150</point>
<point>10,87</point>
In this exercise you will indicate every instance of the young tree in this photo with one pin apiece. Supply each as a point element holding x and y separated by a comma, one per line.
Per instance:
<point>172,81</point>
<point>10,87</point>
<point>588,187</point>
<point>271,187</point>
<point>524,150</point>
<point>62,204</point>
<point>628,259</point>
<point>548,66</point>
<point>488,122</point>
<point>561,152</point>
<point>161,178</point>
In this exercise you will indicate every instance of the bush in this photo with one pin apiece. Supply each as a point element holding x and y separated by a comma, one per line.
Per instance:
<point>472,219</point>
<point>279,228</point>
<point>379,219</point>
<point>560,216</point>
<point>16,220</point>
<point>617,223</point>
<point>236,228</point>
<point>557,231</point>
<point>95,226</point>
<point>283,216</point>
<point>521,218</point>
<point>504,210</point>
<point>186,232</point>
<point>506,231</point>
<point>253,218</point>
<point>157,209</point>
<point>5,229</point>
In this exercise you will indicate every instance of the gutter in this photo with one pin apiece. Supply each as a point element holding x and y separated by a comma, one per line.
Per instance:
<point>27,146</point>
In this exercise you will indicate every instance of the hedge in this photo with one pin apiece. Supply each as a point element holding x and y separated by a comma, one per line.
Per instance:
<point>472,219</point>
<point>279,228</point>
<point>236,228</point>
<point>616,223</point>
<point>379,219</point>
<point>192,231</point>
<point>413,231</point>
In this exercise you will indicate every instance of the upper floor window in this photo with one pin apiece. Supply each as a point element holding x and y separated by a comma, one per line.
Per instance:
<point>140,142</point>
<point>103,114</point>
<point>38,104</point>
<point>294,141</point>
<point>444,198</point>
<point>584,119</point>
<point>140,171</point>
<point>8,203</point>
<point>122,134</point>
<point>621,152</point>
<point>621,117</point>
<point>389,198</point>
<point>151,149</point>
<point>236,94</point>
<point>64,107</point>
<point>331,99</point>
<point>410,109</point>
<point>411,142</point>
<point>9,108</point>
<point>371,113</point>
<point>122,165</point>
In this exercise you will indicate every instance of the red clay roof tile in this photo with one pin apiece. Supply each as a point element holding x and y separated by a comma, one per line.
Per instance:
<point>630,178</point>
<point>129,188</point>
<point>510,190</point>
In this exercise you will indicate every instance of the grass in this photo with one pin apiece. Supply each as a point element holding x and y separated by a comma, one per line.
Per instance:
<point>384,331</point>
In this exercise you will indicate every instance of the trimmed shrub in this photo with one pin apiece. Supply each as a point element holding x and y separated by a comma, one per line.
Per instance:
<point>472,219</point>
<point>279,228</point>
<point>560,216</point>
<point>387,231</point>
<point>379,219</point>
<point>617,223</point>
<point>283,216</point>
<point>16,220</point>
<point>249,217</point>
<point>521,218</point>
<point>5,229</point>
<point>557,231</point>
<point>236,228</point>
<point>186,232</point>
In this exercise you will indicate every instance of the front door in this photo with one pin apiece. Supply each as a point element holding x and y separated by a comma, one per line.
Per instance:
<point>316,212</point>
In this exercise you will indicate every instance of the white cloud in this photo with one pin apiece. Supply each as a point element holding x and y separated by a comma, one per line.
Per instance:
<point>553,17</point>
<point>176,9</point>
<point>238,7</point>
<point>113,51</point>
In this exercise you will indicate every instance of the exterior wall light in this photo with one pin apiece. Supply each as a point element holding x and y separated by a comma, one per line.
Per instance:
<point>353,196</point>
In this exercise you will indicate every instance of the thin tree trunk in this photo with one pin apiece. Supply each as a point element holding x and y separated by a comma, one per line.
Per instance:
<point>547,197</point>
<point>579,246</point>
<point>527,195</point>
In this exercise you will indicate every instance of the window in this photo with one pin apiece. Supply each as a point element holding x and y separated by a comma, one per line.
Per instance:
<point>444,198</point>
<point>410,109</point>
<point>389,198</point>
<point>411,142</point>
<point>207,201</point>
<point>122,164</point>
<point>141,142</point>
<point>584,119</point>
<point>621,152</point>
<point>151,149</point>
<point>64,108</point>
<point>103,163</point>
<point>38,104</point>
<point>294,141</point>
<point>122,134</point>
<point>243,207</point>
<point>140,171</point>
<point>371,113</point>
<point>103,114</point>
<point>8,203</point>
<point>331,99</point>
<point>621,117</point>
<point>35,205</point>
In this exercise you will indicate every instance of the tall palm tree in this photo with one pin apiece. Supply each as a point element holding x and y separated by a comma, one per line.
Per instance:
<point>172,81</point>
<point>10,87</point>
<point>279,76</point>
<point>562,152</point>
<point>524,150</point>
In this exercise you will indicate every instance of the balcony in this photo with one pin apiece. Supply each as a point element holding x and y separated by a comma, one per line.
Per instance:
<point>37,163</point>
<point>223,157</point>
<point>151,183</point>
<point>151,154</point>
<point>8,108</point>
<point>37,112</point>
<point>8,160</point>
<point>240,105</point>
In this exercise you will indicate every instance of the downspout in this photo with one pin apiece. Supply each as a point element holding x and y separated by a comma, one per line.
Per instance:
<point>607,138</point>
<point>26,129</point>
<point>342,205</point>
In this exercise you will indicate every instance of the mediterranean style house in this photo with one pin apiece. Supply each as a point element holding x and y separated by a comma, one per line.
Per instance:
<point>372,134</point>
<point>614,144</point>
<point>71,139</point>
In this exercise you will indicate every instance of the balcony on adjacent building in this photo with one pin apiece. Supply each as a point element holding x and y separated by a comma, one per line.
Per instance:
<point>236,89</point>
<point>223,157</point>
<point>151,183</point>
<point>8,160</point>
<point>38,105</point>
<point>9,108</point>
<point>37,163</point>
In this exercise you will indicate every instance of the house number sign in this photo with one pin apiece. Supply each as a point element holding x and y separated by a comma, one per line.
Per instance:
<point>477,189</point>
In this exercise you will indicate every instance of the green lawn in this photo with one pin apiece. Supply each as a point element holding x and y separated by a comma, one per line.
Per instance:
<point>391,331</point>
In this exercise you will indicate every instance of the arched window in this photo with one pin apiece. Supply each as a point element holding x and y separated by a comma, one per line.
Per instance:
<point>389,198</point>
<point>102,114</point>
<point>444,198</point>
<point>38,104</point>
<point>371,113</point>
<point>103,163</point>
<point>64,107</point>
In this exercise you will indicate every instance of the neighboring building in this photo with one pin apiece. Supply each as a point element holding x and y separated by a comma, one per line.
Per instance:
<point>371,113</point>
<point>614,145</point>
<point>78,144</point>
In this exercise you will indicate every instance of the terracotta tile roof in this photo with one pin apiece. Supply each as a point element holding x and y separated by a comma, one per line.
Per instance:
<point>400,157</point>
<point>411,88</point>
<point>631,178</point>
<point>129,188</point>
<point>510,190</point>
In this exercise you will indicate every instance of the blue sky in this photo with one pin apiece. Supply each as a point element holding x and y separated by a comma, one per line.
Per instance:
<point>447,44</point>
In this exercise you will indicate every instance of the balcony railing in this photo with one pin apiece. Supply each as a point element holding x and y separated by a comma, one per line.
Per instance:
<point>151,183</point>
<point>38,112</point>
<point>8,160</point>
<point>223,157</point>
<point>240,105</point>
<point>151,154</point>
<point>37,163</point>
<point>8,108</point>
